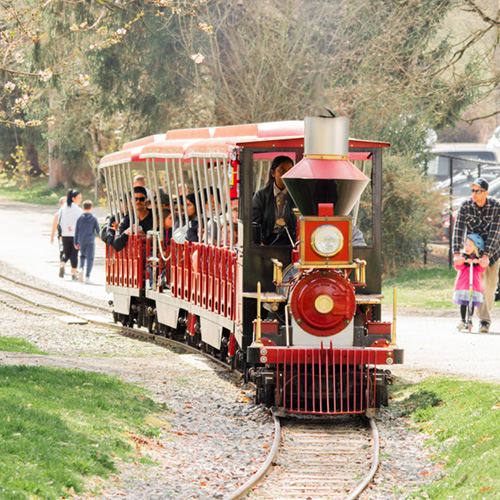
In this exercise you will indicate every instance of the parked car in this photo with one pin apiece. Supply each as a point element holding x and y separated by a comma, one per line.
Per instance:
<point>474,157</point>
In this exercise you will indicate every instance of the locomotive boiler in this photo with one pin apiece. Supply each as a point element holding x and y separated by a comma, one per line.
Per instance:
<point>301,320</point>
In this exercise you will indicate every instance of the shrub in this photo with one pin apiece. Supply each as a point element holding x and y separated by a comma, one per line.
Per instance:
<point>408,203</point>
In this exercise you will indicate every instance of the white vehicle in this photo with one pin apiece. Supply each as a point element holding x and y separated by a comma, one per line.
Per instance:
<point>473,157</point>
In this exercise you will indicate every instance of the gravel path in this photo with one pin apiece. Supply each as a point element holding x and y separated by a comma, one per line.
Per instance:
<point>217,437</point>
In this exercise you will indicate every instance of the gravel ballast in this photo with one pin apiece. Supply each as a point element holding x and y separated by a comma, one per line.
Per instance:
<point>216,437</point>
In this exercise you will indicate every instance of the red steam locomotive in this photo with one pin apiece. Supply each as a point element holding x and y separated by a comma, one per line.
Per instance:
<point>302,320</point>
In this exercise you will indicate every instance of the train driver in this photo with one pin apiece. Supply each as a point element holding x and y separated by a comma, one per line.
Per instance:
<point>272,207</point>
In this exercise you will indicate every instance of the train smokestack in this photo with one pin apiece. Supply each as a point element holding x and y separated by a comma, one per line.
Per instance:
<point>325,174</point>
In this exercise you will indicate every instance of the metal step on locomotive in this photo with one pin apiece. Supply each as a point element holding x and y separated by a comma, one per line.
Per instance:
<point>301,319</point>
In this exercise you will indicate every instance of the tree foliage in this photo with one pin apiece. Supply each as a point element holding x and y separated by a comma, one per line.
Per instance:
<point>391,66</point>
<point>79,78</point>
<point>83,70</point>
<point>409,201</point>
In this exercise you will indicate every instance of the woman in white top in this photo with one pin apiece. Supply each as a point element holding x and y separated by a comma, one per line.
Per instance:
<point>68,215</point>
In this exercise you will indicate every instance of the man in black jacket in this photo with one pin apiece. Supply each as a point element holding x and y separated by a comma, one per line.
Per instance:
<point>145,221</point>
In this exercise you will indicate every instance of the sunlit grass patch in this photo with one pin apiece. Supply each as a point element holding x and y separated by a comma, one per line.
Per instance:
<point>59,426</point>
<point>37,192</point>
<point>14,344</point>
<point>423,287</point>
<point>462,419</point>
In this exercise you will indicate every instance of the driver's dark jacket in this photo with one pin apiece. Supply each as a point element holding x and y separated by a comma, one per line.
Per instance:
<point>263,213</point>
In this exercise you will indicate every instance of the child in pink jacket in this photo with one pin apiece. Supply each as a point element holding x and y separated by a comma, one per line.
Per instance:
<point>473,246</point>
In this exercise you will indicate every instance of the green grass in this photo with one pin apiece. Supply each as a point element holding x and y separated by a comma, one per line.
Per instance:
<point>462,419</point>
<point>424,287</point>
<point>37,192</point>
<point>60,426</point>
<point>13,344</point>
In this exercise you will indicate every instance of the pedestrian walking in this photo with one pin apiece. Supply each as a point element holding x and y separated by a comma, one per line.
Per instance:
<point>468,292</point>
<point>481,215</point>
<point>87,228</point>
<point>68,215</point>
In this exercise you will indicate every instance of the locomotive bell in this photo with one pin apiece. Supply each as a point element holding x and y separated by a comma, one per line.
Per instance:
<point>325,174</point>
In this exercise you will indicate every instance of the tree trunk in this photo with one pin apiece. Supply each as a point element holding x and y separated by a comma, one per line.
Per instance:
<point>94,134</point>
<point>55,165</point>
<point>32,158</point>
<point>56,177</point>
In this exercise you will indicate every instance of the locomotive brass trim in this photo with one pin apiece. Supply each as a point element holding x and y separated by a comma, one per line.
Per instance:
<point>324,304</point>
<point>327,157</point>
<point>322,265</point>
<point>257,340</point>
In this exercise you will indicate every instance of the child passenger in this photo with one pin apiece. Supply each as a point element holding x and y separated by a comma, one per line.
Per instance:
<point>473,246</point>
<point>87,228</point>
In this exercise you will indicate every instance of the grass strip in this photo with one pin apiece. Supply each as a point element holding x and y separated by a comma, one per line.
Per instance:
<point>462,419</point>
<point>422,287</point>
<point>36,191</point>
<point>14,344</point>
<point>60,426</point>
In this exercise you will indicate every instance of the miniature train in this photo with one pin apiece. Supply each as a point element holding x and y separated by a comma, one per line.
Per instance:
<point>301,320</point>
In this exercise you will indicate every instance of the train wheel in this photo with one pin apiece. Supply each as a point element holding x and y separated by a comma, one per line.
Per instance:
<point>152,320</point>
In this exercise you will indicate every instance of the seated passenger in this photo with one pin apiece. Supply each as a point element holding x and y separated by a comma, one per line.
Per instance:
<point>167,223</point>
<point>108,230</point>
<point>272,207</point>
<point>140,181</point>
<point>192,232</point>
<point>191,229</point>
<point>145,220</point>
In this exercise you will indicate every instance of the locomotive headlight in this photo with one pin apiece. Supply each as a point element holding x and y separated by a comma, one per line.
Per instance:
<point>327,240</point>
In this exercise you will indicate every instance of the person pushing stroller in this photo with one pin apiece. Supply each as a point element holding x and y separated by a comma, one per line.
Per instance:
<point>469,284</point>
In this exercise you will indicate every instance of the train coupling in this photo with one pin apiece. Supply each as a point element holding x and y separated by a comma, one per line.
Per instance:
<point>261,377</point>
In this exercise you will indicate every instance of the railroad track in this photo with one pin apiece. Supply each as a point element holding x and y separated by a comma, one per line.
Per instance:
<point>41,302</point>
<point>30,299</point>
<point>310,460</point>
<point>317,460</point>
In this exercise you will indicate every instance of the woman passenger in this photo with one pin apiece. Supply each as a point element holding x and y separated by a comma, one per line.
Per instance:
<point>167,223</point>
<point>272,207</point>
<point>192,229</point>
<point>68,215</point>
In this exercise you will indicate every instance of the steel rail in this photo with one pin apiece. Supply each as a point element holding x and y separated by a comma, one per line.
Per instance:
<point>53,294</point>
<point>242,490</point>
<point>131,332</point>
<point>375,462</point>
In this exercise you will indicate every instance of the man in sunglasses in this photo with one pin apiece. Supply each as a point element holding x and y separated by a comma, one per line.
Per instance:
<point>481,215</point>
<point>144,222</point>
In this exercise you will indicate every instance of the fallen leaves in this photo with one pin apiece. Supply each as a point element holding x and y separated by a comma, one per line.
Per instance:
<point>486,488</point>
